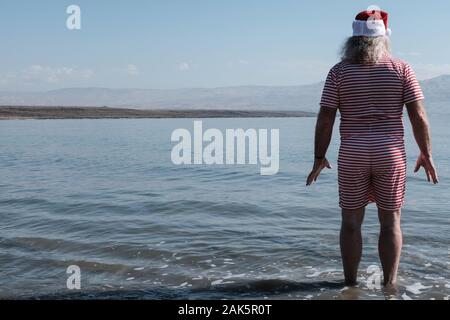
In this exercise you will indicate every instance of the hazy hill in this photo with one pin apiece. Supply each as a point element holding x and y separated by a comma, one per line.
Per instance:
<point>305,98</point>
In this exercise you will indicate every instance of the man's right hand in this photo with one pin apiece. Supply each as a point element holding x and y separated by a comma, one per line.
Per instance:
<point>427,163</point>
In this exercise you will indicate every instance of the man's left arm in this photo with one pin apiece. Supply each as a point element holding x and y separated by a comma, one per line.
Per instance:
<point>323,134</point>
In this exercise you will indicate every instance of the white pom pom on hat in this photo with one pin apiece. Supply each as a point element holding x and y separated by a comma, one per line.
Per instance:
<point>371,23</point>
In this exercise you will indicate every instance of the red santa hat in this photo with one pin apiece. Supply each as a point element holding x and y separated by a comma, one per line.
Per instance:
<point>371,23</point>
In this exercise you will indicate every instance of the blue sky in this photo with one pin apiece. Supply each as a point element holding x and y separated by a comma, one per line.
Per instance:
<point>202,43</point>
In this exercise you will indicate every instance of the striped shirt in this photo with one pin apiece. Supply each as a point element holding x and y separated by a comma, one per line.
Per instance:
<point>372,158</point>
<point>370,98</point>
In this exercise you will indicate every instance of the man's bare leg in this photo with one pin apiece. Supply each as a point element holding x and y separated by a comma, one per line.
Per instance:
<point>351,243</point>
<point>390,244</point>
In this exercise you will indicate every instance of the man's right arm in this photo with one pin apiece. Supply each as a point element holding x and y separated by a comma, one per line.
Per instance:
<point>418,117</point>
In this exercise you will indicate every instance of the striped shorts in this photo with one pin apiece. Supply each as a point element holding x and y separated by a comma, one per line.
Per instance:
<point>372,168</point>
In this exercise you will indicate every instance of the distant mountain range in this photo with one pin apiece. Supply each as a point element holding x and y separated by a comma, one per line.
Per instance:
<point>292,98</point>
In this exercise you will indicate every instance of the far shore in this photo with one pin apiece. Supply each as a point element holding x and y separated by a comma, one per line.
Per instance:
<point>39,112</point>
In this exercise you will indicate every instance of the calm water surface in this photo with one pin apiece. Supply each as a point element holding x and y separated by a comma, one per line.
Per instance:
<point>104,195</point>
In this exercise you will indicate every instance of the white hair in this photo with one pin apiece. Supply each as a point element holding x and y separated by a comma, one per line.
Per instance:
<point>365,50</point>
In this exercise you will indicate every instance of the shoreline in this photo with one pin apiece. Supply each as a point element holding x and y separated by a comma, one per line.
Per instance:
<point>39,112</point>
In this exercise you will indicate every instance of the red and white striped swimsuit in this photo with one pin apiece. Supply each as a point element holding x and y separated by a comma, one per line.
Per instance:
<point>372,159</point>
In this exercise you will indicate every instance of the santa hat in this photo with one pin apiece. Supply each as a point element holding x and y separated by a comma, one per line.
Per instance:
<point>371,23</point>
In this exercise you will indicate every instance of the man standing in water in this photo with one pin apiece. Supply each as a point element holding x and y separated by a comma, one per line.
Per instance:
<point>370,89</point>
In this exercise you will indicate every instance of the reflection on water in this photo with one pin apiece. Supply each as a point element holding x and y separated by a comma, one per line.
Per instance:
<point>104,195</point>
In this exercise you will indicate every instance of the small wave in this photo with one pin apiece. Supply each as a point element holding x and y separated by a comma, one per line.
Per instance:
<point>248,289</point>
